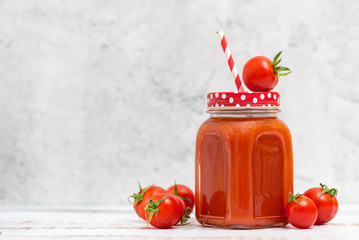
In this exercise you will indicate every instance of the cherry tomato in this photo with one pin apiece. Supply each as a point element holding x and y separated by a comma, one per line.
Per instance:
<point>185,193</point>
<point>301,211</point>
<point>142,197</point>
<point>261,74</point>
<point>184,209</point>
<point>326,202</point>
<point>163,210</point>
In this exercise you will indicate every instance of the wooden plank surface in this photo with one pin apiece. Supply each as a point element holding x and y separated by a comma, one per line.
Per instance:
<point>121,222</point>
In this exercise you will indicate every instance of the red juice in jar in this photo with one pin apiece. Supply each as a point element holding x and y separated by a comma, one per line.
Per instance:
<point>244,162</point>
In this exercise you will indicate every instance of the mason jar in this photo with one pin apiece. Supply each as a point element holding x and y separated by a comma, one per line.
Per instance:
<point>244,162</point>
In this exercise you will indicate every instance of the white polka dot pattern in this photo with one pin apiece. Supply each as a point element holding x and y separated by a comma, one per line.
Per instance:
<point>243,99</point>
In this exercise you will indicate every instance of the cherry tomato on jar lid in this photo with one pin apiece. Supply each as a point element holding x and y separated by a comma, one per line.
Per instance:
<point>261,74</point>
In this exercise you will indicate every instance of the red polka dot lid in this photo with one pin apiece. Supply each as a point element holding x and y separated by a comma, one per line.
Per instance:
<point>242,99</point>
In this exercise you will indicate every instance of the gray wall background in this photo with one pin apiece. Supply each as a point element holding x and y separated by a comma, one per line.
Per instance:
<point>95,95</point>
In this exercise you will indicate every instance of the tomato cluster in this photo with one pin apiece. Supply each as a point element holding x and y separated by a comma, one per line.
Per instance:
<point>317,206</point>
<point>164,208</point>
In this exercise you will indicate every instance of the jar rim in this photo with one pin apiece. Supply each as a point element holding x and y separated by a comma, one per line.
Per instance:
<point>241,109</point>
<point>252,112</point>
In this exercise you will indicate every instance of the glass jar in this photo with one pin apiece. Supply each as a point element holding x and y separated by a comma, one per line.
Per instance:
<point>244,162</point>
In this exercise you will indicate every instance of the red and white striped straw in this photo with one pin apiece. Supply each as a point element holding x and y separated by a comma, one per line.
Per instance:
<point>229,57</point>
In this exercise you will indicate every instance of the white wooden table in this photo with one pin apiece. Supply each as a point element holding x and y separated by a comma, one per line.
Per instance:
<point>122,223</point>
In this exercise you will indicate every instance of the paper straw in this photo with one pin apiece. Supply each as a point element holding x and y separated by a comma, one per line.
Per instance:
<point>230,61</point>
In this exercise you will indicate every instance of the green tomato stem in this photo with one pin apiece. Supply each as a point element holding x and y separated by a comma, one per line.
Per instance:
<point>279,70</point>
<point>138,197</point>
<point>333,192</point>
<point>293,198</point>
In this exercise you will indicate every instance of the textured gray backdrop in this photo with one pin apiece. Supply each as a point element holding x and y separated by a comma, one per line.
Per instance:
<point>95,95</point>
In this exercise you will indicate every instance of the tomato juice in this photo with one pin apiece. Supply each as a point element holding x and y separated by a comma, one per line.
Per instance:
<point>244,168</point>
